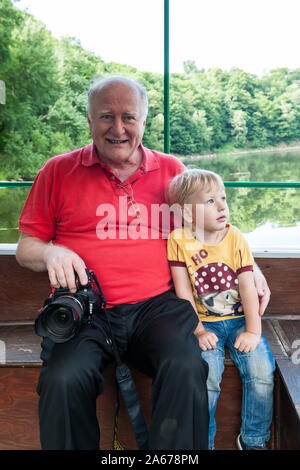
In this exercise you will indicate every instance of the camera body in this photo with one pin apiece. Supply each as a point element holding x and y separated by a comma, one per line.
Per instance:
<point>63,312</point>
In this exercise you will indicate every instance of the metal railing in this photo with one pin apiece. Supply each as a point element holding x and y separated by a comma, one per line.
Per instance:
<point>166,79</point>
<point>235,184</point>
<point>16,184</point>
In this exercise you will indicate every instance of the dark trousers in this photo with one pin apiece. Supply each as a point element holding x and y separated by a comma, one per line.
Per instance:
<point>156,337</point>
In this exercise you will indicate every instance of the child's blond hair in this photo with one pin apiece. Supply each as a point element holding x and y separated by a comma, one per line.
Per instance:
<point>184,185</point>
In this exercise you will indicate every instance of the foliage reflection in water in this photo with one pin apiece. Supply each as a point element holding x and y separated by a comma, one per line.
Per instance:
<point>268,212</point>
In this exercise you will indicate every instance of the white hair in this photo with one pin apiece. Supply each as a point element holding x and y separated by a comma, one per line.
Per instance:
<point>100,83</point>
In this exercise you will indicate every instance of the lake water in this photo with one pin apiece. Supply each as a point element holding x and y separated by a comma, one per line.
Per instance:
<point>269,218</point>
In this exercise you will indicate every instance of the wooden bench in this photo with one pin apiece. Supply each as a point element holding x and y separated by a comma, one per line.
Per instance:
<point>21,294</point>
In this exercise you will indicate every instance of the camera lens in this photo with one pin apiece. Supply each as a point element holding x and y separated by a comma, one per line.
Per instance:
<point>62,315</point>
<point>60,320</point>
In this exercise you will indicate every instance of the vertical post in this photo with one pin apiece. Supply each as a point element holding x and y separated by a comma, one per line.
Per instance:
<point>166,79</point>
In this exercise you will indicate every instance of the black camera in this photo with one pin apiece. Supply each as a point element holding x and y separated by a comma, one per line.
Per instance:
<point>63,312</point>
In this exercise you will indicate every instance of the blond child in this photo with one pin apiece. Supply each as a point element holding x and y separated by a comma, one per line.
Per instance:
<point>212,267</point>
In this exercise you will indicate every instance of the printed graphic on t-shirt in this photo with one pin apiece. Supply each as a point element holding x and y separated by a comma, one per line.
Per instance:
<point>216,285</point>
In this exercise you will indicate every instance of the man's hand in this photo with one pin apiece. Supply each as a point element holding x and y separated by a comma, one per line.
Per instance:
<point>262,288</point>
<point>61,264</point>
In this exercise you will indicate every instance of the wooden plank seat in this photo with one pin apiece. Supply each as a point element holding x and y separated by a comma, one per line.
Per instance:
<point>287,386</point>
<point>22,292</point>
<point>19,401</point>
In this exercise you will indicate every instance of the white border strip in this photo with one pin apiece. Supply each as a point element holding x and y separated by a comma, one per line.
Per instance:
<point>276,253</point>
<point>10,249</point>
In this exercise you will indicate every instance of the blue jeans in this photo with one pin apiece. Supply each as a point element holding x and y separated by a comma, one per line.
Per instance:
<point>257,372</point>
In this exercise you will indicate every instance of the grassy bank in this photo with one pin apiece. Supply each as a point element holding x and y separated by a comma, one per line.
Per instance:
<point>229,150</point>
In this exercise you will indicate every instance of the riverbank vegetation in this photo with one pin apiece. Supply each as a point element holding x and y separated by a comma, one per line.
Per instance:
<point>210,110</point>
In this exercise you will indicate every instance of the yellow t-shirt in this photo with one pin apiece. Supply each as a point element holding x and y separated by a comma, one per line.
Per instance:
<point>213,270</point>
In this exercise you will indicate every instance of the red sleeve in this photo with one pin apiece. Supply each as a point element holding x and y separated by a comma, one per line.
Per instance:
<point>37,217</point>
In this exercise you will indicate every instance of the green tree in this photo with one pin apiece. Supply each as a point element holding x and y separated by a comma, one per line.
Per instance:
<point>238,122</point>
<point>10,17</point>
<point>31,86</point>
<point>190,67</point>
<point>47,80</point>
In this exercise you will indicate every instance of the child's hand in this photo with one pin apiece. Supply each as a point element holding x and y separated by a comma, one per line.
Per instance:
<point>207,340</point>
<point>247,342</point>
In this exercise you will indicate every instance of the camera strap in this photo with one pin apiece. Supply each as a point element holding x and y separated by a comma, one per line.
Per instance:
<point>127,388</point>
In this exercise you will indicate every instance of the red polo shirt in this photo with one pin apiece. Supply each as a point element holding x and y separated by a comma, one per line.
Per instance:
<point>77,202</point>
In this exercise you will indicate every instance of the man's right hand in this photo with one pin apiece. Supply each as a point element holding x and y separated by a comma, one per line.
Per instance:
<point>61,264</point>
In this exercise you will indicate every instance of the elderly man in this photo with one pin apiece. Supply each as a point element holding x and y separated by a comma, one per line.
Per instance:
<point>153,328</point>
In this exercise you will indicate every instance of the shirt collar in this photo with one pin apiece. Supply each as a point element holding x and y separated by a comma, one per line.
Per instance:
<point>150,160</point>
<point>89,156</point>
